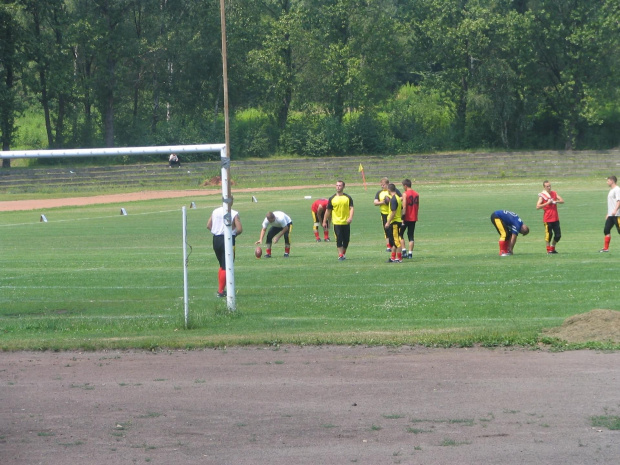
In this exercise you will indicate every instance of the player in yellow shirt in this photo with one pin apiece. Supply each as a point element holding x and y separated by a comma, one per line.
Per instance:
<point>340,212</point>
<point>392,225</point>
<point>383,202</point>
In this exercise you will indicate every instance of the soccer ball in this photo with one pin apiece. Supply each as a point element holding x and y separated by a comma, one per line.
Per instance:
<point>258,253</point>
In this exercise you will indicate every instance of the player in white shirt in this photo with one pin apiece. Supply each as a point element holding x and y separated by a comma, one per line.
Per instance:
<point>613,207</point>
<point>281,225</point>
<point>217,225</point>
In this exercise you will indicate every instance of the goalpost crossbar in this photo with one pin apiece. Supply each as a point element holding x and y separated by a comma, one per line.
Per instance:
<point>100,152</point>
<point>159,150</point>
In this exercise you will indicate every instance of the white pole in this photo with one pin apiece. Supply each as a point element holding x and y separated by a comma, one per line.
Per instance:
<point>225,154</point>
<point>185,298</point>
<point>228,245</point>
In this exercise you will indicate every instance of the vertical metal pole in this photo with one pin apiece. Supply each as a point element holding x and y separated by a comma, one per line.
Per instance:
<point>225,155</point>
<point>228,245</point>
<point>185,297</point>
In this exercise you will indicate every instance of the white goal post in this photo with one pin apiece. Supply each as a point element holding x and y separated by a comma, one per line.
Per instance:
<point>160,150</point>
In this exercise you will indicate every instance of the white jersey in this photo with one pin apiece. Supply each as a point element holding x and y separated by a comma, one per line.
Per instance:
<point>612,200</point>
<point>282,220</point>
<point>217,221</point>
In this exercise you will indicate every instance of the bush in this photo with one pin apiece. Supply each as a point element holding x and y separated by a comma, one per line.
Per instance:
<point>365,133</point>
<point>312,135</point>
<point>253,134</point>
<point>419,120</point>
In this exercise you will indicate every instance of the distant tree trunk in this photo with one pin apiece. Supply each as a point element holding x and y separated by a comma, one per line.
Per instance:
<point>155,110</point>
<point>108,117</point>
<point>46,108</point>
<point>8,51</point>
<point>285,104</point>
<point>60,122</point>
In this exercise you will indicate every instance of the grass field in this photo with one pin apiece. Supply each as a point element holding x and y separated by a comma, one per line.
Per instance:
<point>91,278</point>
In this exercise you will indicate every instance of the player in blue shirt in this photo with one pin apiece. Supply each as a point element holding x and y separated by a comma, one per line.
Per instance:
<point>508,225</point>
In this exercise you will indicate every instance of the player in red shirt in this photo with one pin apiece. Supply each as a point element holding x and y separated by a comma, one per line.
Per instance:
<point>548,201</point>
<point>411,204</point>
<point>318,213</point>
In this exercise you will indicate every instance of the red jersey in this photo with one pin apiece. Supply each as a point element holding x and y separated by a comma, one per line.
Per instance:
<point>550,214</point>
<point>316,203</point>
<point>411,204</point>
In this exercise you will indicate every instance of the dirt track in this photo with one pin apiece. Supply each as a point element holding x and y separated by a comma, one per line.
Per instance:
<point>311,405</point>
<point>38,204</point>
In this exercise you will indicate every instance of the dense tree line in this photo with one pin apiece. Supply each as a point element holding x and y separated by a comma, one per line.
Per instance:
<point>315,77</point>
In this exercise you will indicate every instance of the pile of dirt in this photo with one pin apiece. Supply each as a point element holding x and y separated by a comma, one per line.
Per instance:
<point>216,181</point>
<point>594,326</point>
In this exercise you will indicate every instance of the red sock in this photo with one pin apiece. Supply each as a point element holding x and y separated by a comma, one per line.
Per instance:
<point>268,251</point>
<point>316,235</point>
<point>552,248</point>
<point>393,257</point>
<point>221,278</point>
<point>607,241</point>
<point>326,235</point>
<point>502,247</point>
<point>287,250</point>
<point>399,256</point>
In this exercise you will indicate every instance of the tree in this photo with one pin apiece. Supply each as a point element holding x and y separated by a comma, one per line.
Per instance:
<point>352,52</point>
<point>52,79</point>
<point>573,43</point>
<point>10,57</point>
<point>272,59</point>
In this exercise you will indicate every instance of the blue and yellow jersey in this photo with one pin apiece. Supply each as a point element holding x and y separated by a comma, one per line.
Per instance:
<point>510,219</point>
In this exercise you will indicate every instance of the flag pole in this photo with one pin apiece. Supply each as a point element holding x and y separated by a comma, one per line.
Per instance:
<point>361,170</point>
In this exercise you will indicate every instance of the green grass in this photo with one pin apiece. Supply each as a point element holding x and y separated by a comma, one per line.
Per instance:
<point>90,278</point>
<point>611,422</point>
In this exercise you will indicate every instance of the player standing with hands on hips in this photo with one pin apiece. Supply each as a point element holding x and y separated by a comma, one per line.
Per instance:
<point>281,225</point>
<point>508,225</point>
<point>547,201</point>
<point>340,211</point>
<point>613,208</point>
<point>217,225</point>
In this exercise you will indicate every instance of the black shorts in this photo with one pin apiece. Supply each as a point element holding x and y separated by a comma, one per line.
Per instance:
<point>504,231</point>
<point>552,231</point>
<point>408,226</point>
<point>275,230</point>
<point>610,222</point>
<point>343,235</point>
<point>219,247</point>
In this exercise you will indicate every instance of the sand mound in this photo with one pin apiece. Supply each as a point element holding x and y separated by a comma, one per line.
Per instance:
<point>594,326</point>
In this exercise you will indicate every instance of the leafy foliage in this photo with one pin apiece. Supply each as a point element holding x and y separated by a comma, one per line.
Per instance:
<point>319,76</point>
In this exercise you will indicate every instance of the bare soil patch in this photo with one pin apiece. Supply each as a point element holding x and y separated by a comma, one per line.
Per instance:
<point>596,325</point>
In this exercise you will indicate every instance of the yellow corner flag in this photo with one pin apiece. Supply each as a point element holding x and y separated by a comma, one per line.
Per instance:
<point>361,170</point>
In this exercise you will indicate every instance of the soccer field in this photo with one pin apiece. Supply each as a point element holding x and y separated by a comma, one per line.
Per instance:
<point>92,278</point>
